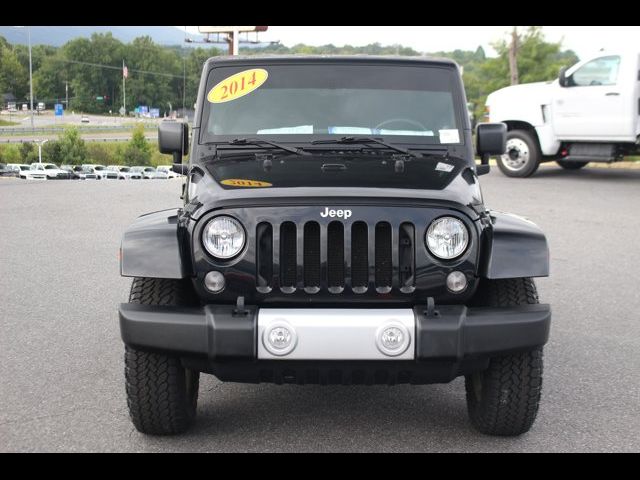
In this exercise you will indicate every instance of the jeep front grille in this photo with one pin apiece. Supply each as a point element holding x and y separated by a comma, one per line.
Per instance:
<point>336,256</point>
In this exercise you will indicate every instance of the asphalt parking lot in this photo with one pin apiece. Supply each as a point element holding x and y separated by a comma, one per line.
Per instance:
<point>61,357</point>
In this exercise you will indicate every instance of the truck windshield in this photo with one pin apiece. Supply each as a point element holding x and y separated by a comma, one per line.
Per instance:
<point>415,104</point>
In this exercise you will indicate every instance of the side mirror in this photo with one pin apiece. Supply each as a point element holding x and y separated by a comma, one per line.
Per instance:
<point>491,139</point>
<point>173,137</point>
<point>562,77</point>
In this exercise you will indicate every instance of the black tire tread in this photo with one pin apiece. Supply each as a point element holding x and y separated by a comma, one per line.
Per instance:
<point>156,394</point>
<point>571,165</point>
<point>156,384</point>
<point>512,385</point>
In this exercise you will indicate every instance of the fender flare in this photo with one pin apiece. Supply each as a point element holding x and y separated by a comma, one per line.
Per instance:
<point>514,247</point>
<point>151,247</point>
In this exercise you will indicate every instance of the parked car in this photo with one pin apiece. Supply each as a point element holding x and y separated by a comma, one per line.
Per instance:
<point>4,171</point>
<point>71,170</point>
<point>84,119</point>
<point>125,173</point>
<point>16,168</point>
<point>168,170</point>
<point>87,173</point>
<point>110,173</point>
<point>590,113</point>
<point>51,170</point>
<point>98,169</point>
<point>380,264</point>
<point>150,173</point>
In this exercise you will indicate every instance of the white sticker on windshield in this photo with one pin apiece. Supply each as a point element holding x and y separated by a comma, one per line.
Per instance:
<point>350,131</point>
<point>444,167</point>
<point>300,129</point>
<point>449,136</point>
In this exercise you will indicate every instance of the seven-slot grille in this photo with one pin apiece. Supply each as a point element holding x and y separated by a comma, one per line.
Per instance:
<point>337,256</point>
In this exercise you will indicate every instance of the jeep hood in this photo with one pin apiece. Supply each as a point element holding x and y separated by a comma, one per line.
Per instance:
<point>335,171</point>
<point>340,178</point>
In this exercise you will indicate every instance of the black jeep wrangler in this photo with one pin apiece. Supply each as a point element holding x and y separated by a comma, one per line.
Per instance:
<point>333,232</point>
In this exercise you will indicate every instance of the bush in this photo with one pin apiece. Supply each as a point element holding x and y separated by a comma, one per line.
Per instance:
<point>51,153</point>
<point>28,152</point>
<point>137,151</point>
<point>10,154</point>
<point>101,153</point>
<point>73,150</point>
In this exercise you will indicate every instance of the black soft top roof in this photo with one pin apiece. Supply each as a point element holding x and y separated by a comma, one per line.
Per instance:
<point>388,59</point>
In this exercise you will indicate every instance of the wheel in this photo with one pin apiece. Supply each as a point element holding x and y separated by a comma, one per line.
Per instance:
<point>503,399</point>
<point>162,395</point>
<point>571,165</point>
<point>522,156</point>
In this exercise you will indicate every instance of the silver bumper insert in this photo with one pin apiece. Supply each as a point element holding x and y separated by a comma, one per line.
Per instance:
<point>336,334</point>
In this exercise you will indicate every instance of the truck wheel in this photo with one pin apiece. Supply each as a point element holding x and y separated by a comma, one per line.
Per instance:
<point>503,399</point>
<point>522,157</point>
<point>162,395</point>
<point>571,165</point>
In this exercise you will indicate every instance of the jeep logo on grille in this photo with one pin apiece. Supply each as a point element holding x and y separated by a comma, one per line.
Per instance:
<point>335,213</point>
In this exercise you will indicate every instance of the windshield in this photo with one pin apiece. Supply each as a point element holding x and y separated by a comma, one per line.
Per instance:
<point>124,169</point>
<point>415,103</point>
<point>50,167</point>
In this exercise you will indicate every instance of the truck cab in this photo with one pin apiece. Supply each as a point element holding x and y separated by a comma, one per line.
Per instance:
<point>333,231</point>
<point>590,113</point>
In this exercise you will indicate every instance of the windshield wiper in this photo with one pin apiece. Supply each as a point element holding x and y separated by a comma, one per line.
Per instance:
<point>367,141</point>
<point>260,141</point>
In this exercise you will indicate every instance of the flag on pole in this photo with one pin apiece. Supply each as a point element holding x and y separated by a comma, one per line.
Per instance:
<point>125,70</point>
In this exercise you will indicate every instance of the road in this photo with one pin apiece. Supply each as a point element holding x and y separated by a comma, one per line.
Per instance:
<point>61,355</point>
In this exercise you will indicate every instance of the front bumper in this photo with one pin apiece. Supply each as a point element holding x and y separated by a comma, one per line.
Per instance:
<point>228,343</point>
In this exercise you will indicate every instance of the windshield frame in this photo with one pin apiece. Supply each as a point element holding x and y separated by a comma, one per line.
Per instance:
<point>407,141</point>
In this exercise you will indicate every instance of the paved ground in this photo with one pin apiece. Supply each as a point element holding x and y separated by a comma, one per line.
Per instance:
<point>61,356</point>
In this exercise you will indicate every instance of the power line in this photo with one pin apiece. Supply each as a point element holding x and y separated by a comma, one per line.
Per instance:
<point>111,67</point>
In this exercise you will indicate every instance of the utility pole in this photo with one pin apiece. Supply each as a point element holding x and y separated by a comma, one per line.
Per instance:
<point>66,93</point>
<point>30,76</point>
<point>513,57</point>
<point>124,87</point>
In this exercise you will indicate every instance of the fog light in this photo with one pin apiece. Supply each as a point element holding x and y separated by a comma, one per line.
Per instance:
<point>393,339</point>
<point>214,281</point>
<point>456,282</point>
<point>280,338</point>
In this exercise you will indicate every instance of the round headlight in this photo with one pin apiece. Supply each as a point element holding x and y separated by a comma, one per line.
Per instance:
<point>447,237</point>
<point>223,237</point>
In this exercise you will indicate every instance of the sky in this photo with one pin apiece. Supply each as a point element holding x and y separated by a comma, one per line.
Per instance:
<point>582,40</point>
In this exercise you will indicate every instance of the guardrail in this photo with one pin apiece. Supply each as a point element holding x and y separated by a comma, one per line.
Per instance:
<point>105,139</point>
<point>82,129</point>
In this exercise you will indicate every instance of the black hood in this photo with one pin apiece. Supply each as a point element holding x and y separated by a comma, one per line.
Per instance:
<point>335,170</point>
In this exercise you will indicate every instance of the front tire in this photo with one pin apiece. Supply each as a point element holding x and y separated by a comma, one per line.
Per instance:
<point>503,399</point>
<point>162,395</point>
<point>522,157</point>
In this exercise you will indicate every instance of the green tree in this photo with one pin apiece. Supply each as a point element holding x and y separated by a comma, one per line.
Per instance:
<point>51,152</point>
<point>100,153</point>
<point>28,152</point>
<point>14,78</point>
<point>538,60</point>
<point>73,150</point>
<point>137,151</point>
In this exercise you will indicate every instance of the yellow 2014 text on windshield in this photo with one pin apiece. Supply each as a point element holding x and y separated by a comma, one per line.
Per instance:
<point>237,85</point>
